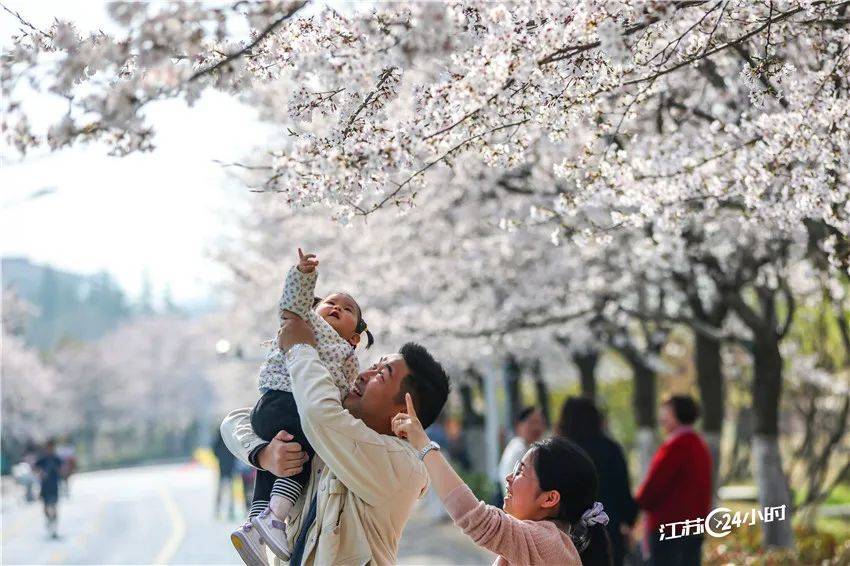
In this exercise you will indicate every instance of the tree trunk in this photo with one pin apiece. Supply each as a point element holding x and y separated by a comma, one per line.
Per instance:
<point>710,382</point>
<point>772,490</point>
<point>646,444</point>
<point>767,459</point>
<point>469,417</point>
<point>586,364</point>
<point>541,388</point>
<point>645,401</point>
<point>512,376</point>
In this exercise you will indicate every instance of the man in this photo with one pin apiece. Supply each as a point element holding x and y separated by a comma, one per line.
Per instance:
<point>677,486</point>
<point>364,481</point>
<point>530,426</point>
<point>226,463</point>
<point>49,467</point>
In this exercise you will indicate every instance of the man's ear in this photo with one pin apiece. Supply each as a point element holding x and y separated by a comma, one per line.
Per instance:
<point>550,498</point>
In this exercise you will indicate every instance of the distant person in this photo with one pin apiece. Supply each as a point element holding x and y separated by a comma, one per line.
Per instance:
<point>68,454</point>
<point>678,484</point>
<point>530,426</point>
<point>226,462</point>
<point>24,472</point>
<point>550,516</point>
<point>49,467</point>
<point>248,475</point>
<point>581,422</point>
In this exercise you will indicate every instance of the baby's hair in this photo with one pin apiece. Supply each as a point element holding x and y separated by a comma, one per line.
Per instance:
<point>363,327</point>
<point>361,324</point>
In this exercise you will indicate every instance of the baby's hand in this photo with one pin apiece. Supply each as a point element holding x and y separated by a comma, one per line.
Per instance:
<point>307,263</point>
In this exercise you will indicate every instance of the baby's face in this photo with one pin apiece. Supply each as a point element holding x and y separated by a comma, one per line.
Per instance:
<point>341,312</point>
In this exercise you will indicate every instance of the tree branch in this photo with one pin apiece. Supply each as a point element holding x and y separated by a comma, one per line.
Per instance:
<point>511,327</point>
<point>385,74</point>
<point>269,29</point>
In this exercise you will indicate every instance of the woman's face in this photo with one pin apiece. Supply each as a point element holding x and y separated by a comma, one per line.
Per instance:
<point>524,499</point>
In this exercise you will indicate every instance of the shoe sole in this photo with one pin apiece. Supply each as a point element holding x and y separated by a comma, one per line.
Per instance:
<point>246,553</point>
<point>280,552</point>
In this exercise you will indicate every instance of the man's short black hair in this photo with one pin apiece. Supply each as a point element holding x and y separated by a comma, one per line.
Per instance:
<point>427,383</point>
<point>684,407</point>
<point>525,413</point>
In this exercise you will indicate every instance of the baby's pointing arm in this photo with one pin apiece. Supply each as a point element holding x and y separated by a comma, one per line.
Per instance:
<point>298,292</point>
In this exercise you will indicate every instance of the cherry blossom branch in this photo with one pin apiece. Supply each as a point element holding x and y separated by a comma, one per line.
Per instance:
<point>675,42</point>
<point>572,50</point>
<point>262,35</point>
<point>24,22</point>
<point>780,17</point>
<point>443,157</point>
<point>707,160</point>
<point>386,74</point>
<point>519,326</point>
<point>461,120</point>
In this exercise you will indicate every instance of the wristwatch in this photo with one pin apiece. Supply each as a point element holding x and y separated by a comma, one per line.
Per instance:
<point>428,447</point>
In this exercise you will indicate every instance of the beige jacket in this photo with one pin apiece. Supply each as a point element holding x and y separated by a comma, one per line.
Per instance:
<point>367,482</point>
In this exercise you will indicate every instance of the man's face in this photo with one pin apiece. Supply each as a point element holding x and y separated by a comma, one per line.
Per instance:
<point>533,427</point>
<point>374,396</point>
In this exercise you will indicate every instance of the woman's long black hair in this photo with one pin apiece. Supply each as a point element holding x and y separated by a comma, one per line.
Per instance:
<point>562,465</point>
<point>580,419</point>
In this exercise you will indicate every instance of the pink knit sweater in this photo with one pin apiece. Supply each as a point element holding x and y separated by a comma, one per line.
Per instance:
<point>516,542</point>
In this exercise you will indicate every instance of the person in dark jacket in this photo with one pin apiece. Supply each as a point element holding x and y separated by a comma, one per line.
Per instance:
<point>581,422</point>
<point>49,467</point>
<point>226,464</point>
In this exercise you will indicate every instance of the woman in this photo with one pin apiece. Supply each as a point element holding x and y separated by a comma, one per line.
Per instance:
<point>550,516</point>
<point>581,422</point>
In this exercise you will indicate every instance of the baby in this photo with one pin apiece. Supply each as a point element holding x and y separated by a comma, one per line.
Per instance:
<point>338,323</point>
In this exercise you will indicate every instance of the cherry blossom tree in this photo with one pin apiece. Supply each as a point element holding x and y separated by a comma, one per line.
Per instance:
<point>654,106</point>
<point>28,382</point>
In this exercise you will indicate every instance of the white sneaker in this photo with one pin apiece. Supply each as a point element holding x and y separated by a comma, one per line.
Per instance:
<point>247,542</point>
<point>273,532</point>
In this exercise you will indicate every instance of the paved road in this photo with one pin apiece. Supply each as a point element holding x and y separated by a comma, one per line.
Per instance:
<point>164,515</point>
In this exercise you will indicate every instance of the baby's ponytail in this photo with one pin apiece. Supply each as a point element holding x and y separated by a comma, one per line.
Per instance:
<point>363,327</point>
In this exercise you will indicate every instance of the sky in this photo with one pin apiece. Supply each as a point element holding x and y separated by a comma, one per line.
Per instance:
<point>157,214</point>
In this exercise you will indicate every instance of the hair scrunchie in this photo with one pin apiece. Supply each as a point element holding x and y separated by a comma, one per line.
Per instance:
<point>596,515</point>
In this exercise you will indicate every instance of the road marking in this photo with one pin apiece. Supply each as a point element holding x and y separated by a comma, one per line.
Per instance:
<point>178,529</point>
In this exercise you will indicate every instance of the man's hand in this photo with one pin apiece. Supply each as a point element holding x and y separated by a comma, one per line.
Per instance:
<point>282,458</point>
<point>293,330</point>
<point>407,425</point>
<point>307,263</point>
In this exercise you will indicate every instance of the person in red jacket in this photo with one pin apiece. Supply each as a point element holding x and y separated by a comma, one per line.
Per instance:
<point>677,487</point>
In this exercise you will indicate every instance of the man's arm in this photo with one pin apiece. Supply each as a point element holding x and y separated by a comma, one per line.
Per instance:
<point>356,454</point>
<point>238,435</point>
<point>280,457</point>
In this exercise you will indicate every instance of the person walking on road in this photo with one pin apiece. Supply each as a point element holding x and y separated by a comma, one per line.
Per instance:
<point>226,462</point>
<point>49,468</point>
